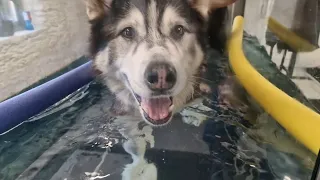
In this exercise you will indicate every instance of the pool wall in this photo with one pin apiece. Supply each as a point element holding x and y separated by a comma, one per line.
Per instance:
<point>21,107</point>
<point>60,37</point>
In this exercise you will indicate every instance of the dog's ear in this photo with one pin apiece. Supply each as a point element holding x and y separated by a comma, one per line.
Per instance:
<point>97,8</point>
<point>206,6</point>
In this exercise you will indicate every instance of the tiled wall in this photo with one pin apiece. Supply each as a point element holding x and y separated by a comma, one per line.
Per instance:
<point>60,37</point>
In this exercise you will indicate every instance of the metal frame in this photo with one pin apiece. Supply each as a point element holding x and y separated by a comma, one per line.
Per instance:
<point>293,59</point>
<point>237,9</point>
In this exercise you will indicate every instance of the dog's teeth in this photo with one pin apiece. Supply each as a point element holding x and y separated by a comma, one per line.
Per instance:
<point>171,107</point>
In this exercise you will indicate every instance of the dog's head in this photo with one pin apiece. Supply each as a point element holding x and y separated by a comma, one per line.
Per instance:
<point>150,51</point>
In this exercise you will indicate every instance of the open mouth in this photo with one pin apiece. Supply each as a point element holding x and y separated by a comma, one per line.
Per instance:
<point>156,110</point>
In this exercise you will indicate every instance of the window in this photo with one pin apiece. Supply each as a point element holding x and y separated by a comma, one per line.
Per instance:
<point>13,18</point>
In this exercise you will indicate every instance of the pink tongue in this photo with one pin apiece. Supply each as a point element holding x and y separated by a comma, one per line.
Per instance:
<point>156,108</point>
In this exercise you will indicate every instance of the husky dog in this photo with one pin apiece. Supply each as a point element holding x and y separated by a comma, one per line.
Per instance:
<point>149,52</point>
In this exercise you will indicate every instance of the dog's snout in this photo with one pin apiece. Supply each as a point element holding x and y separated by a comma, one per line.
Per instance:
<point>160,76</point>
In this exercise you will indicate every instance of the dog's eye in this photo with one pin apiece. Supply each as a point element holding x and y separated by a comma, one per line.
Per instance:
<point>178,31</point>
<point>128,32</point>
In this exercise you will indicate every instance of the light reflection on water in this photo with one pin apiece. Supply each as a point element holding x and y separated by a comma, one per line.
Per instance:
<point>78,138</point>
<point>90,141</point>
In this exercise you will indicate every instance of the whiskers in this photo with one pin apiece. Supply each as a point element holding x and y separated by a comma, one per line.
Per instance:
<point>204,79</point>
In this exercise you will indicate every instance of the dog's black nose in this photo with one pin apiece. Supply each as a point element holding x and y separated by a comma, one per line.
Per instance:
<point>160,76</point>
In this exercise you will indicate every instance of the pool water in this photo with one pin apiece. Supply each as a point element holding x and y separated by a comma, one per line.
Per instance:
<point>78,138</point>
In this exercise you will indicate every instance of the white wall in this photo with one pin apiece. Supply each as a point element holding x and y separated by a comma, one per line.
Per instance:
<point>258,11</point>
<point>61,37</point>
